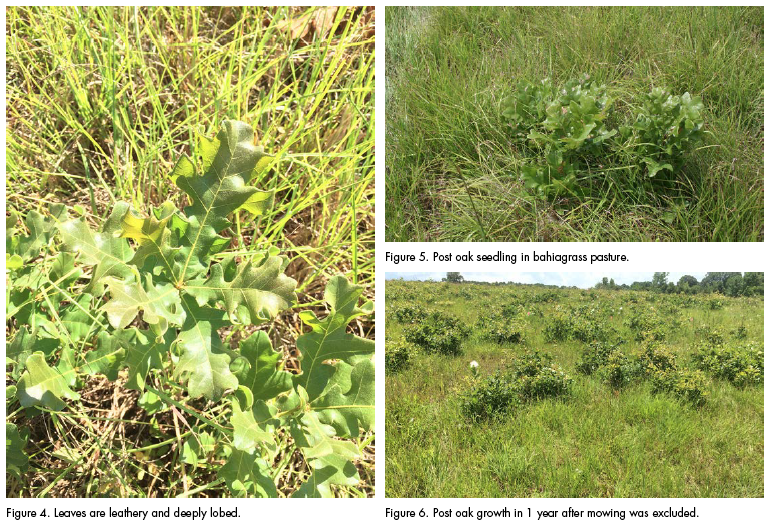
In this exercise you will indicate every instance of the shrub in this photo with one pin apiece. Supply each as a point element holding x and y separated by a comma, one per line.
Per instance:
<point>398,356</point>
<point>558,329</point>
<point>688,385</point>
<point>664,129</point>
<point>550,381</point>
<point>739,333</point>
<point>409,313</point>
<point>595,356</point>
<point>438,333</point>
<point>710,335</point>
<point>741,364</point>
<point>530,377</point>
<point>657,357</point>
<point>567,127</point>
<point>509,332</point>
<point>647,325</point>
<point>619,370</point>
<point>489,397</point>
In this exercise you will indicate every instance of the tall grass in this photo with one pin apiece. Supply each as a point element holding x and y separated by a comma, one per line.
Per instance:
<point>103,101</point>
<point>448,69</point>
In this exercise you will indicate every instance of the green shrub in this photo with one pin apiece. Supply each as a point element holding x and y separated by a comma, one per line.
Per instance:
<point>619,370</point>
<point>657,357</point>
<point>398,356</point>
<point>409,313</point>
<point>568,128</point>
<point>489,397</point>
<point>530,377</point>
<point>508,332</point>
<point>595,356</point>
<point>550,381</point>
<point>559,328</point>
<point>739,333</point>
<point>710,335</point>
<point>665,128</point>
<point>742,364</point>
<point>647,325</point>
<point>438,333</point>
<point>688,385</point>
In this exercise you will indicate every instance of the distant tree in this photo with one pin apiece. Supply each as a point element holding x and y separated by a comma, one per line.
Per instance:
<point>454,278</point>
<point>734,286</point>
<point>640,286</point>
<point>754,283</point>
<point>612,284</point>
<point>715,282</point>
<point>659,281</point>
<point>688,280</point>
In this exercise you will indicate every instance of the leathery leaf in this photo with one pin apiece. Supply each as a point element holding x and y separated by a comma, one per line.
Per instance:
<point>229,161</point>
<point>328,341</point>
<point>168,296</point>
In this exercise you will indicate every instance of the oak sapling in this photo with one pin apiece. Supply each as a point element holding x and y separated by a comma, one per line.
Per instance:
<point>167,299</point>
<point>567,131</point>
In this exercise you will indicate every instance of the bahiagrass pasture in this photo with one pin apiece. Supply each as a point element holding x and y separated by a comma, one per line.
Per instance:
<point>575,124</point>
<point>515,390</point>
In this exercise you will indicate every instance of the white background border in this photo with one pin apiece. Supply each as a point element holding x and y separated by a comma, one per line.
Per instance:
<point>643,257</point>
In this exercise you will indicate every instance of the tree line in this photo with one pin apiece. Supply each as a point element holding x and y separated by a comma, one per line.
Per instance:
<point>729,284</point>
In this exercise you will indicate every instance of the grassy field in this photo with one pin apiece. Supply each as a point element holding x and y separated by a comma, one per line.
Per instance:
<point>599,440</point>
<point>454,171</point>
<point>101,102</point>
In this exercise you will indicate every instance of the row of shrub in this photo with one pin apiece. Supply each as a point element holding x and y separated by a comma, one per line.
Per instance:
<point>656,363</point>
<point>530,377</point>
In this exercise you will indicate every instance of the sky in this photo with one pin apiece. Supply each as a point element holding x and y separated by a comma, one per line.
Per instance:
<point>582,280</point>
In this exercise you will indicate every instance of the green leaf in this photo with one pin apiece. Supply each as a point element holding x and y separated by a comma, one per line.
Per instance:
<point>76,318</point>
<point>252,428</point>
<point>104,250</point>
<point>348,403</point>
<point>107,356</point>
<point>248,476</point>
<point>16,461</point>
<point>24,344</point>
<point>262,289</point>
<point>263,378</point>
<point>230,162</point>
<point>655,167</point>
<point>330,459</point>
<point>160,303</point>
<point>41,232</point>
<point>13,262</point>
<point>151,403</point>
<point>328,340</point>
<point>42,384</point>
<point>144,352</point>
<point>204,358</point>
<point>197,447</point>
<point>153,238</point>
